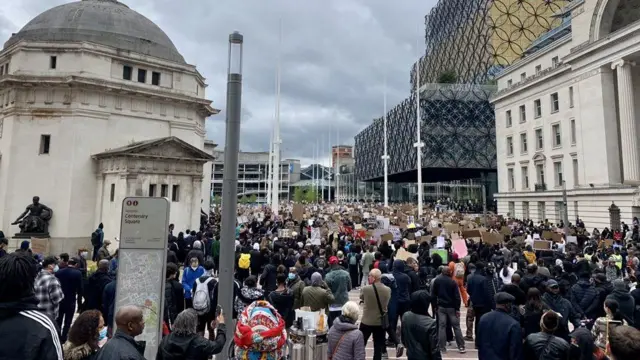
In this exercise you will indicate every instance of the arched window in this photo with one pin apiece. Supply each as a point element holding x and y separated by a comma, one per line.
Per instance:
<point>613,15</point>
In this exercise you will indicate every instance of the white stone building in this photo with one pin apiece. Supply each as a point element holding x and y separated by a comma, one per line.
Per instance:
<point>568,112</point>
<point>98,104</point>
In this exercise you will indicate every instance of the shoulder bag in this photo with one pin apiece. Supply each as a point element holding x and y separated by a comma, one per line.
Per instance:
<point>338,344</point>
<point>384,317</point>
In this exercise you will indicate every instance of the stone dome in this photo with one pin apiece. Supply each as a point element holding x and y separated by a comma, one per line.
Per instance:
<point>105,22</point>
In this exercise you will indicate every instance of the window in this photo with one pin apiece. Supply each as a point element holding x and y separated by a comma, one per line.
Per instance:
<point>512,209</point>
<point>537,108</point>
<point>523,113</point>
<point>523,143</point>
<point>557,173</point>
<point>509,145</point>
<point>510,177</point>
<point>541,211</point>
<point>509,83</point>
<point>575,209</point>
<point>152,190</point>
<point>540,173</point>
<point>175,193</point>
<point>539,139</point>
<point>525,177</point>
<point>164,190</point>
<point>538,69</point>
<point>142,76</point>
<point>6,68</point>
<point>525,210</point>
<point>126,72</point>
<point>559,210</point>
<point>555,104</point>
<point>45,144</point>
<point>509,118</point>
<point>155,78</point>
<point>571,96</point>
<point>555,132</point>
<point>523,76</point>
<point>573,131</point>
<point>53,61</point>
<point>576,180</point>
<point>112,193</point>
<point>1,70</point>
<point>554,61</point>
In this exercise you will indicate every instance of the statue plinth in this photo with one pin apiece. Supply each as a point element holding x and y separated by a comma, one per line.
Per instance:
<point>44,235</point>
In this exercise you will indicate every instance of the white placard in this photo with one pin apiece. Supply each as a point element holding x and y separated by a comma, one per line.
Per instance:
<point>316,236</point>
<point>440,242</point>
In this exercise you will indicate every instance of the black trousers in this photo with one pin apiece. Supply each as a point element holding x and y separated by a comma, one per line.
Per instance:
<point>378,339</point>
<point>65,317</point>
<point>478,312</point>
<point>94,257</point>
<point>353,273</point>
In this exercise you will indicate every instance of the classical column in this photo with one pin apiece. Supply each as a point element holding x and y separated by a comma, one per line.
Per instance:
<point>628,134</point>
<point>196,193</point>
<point>99,199</point>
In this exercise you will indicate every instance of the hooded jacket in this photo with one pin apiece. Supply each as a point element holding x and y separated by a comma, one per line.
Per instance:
<point>583,294</point>
<point>339,282</point>
<point>402,281</point>
<point>26,333</point>
<point>191,347</point>
<point>352,344</point>
<point>283,302</point>
<point>419,330</point>
<point>122,346</point>
<point>627,304</point>
<point>246,296</point>
<point>541,345</point>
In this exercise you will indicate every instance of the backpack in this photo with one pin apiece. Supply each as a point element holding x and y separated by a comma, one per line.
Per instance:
<point>201,298</point>
<point>245,261</point>
<point>458,270</point>
<point>95,238</point>
<point>353,259</point>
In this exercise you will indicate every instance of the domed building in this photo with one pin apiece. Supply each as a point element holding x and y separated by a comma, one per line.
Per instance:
<point>97,104</point>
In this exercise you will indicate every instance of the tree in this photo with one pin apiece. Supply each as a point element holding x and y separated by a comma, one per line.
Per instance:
<point>311,195</point>
<point>253,198</point>
<point>448,77</point>
<point>298,195</point>
<point>244,199</point>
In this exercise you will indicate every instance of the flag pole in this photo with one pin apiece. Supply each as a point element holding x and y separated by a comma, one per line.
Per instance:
<point>385,156</point>
<point>418,144</point>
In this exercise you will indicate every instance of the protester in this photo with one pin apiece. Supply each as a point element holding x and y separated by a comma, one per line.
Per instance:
<point>248,294</point>
<point>103,252</point>
<point>26,331</point>
<point>339,282</point>
<point>282,297</point>
<point>603,325</point>
<point>47,287</point>
<point>95,287</point>
<point>317,296</point>
<point>71,283</point>
<point>419,330</point>
<point>97,240</point>
<point>85,335</point>
<point>173,295</point>
<point>129,324</point>
<point>447,295</point>
<point>498,335</point>
<point>185,343</point>
<point>189,276</point>
<point>346,342</point>
<point>545,345</point>
<point>375,299</point>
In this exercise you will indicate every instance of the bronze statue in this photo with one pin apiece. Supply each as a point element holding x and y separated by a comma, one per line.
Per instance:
<point>35,218</point>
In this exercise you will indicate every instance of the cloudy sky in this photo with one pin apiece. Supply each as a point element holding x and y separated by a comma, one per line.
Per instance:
<point>335,56</point>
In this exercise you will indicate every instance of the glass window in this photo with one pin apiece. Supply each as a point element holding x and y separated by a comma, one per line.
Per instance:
<point>538,69</point>
<point>539,139</point>
<point>570,96</point>
<point>509,83</point>
<point>537,108</point>
<point>555,103</point>
<point>126,72</point>
<point>523,76</point>
<point>525,177</point>
<point>523,143</point>
<point>512,209</point>
<point>523,113</point>
<point>142,76</point>
<point>509,145</point>
<point>45,144</point>
<point>540,174</point>
<point>557,170</point>
<point>573,131</point>
<point>509,118</point>
<point>576,180</point>
<point>155,78</point>
<point>557,137</point>
<point>525,210</point>
<point>554,61</point>
<point>510,177</point>
<point>541,211</point>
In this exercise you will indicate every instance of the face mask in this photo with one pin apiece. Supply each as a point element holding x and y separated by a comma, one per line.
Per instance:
<point>84,254</point>
<point>194,267</point>
<point>56,268</point>
<point>103,334</point>
<point>292,276</point>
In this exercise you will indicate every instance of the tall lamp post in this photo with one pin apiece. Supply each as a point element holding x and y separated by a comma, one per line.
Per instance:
<point>418,144</point>
<point>385,156</point>
<point>230,178</point>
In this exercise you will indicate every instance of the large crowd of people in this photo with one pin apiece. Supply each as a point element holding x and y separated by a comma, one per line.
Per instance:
<point>577,300</point>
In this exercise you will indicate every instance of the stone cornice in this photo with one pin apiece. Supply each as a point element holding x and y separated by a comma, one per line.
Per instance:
<point>588,47</point>
<point>202,105</point>
<point>542,76</point>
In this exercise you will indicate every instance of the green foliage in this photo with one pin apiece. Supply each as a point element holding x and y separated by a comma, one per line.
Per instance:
<point>244,200</point>
<point>298,195</point>
<point>216,200</point>
<point>311,195</point>
<point>253,198</point>
<point>448,77</point>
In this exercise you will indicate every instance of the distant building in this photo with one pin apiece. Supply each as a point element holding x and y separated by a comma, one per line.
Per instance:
<point>253,175</point>
<point>344,153</point>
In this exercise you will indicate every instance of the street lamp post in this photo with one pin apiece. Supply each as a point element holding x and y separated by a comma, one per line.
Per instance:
<point>230,178</point>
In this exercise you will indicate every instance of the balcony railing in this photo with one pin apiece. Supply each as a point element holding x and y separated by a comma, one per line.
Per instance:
<point>541,187</point>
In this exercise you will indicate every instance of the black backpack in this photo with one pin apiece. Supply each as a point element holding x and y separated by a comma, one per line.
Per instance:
<point>95,238</point>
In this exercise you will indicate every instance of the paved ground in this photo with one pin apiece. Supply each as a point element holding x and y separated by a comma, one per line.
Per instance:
<point>451,354</point>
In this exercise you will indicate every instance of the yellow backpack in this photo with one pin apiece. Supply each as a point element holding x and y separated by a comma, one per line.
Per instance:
<point>245,261</point>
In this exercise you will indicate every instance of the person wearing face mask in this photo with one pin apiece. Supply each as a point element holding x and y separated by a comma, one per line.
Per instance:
<point>191,273</point>
<point>129,323</point>
<point>296,285</point>
<point>48,290</point>
<point>554,301</point>
<point>545,345</point>
<point>499,336</point>
<point>85,336</point>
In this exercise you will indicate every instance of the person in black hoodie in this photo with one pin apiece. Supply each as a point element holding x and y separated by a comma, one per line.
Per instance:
<point>173,295</point>
<point>71,284</point>
<point>26,332</point>
<point>404,289</point>
<point>268,277</point>
<point>282,297</point>
<point>255,262</point>
<point>411,269</point>
<point>447,295</point>
<point>625,300</point>
<point>95,287</point>
<point>480,295</point>
<point>583,296</point>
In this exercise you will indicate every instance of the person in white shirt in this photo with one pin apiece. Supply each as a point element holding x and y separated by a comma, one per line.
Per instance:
<point>506,273</point>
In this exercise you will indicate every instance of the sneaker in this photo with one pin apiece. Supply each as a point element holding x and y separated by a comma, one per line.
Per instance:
<point>468,338</point>
<point>462,350</point>
<point>399,351</point>
<point>443,351</point>
<point>385,355</point>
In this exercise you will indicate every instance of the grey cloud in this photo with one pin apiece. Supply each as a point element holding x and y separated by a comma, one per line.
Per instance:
<point>335,55</point>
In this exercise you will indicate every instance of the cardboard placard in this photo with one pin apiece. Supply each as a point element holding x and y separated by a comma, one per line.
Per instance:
<point>547,235</point>
<point>40,246</point>
<point>403,255</point>
<point>505,230</point>
<point>491,238</point>
<point>298,212</point>
<point>451,228</point>
<point>471,234</point>
<point>556,237</point>
<point>425,239</point>
<point>541,244</point>
<point>386,237</point>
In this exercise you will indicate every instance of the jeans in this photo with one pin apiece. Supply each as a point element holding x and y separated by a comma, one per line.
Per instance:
<point>470,316</point>
<point>65,316</point>
<point>378,339</point>
<point>449,314</point>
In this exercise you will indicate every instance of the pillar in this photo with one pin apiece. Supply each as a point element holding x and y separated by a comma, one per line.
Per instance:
<point>196,189</point>
<point>628,135</point>
<point>99,199</point>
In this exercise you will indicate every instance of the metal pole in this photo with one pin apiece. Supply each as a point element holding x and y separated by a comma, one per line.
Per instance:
<point>385,156</point>
<point>565,215</point>
<point>275,205</point>
<point>338,177</point>
<point>230,179</point>
<point>484,201</point>
<point>419,144</point>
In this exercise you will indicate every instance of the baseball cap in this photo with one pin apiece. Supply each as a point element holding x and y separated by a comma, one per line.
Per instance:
<point>333,260</point>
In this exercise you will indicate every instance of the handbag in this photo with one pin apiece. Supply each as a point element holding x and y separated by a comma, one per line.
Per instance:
<point>338,344</point>
<point>384,317</point>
